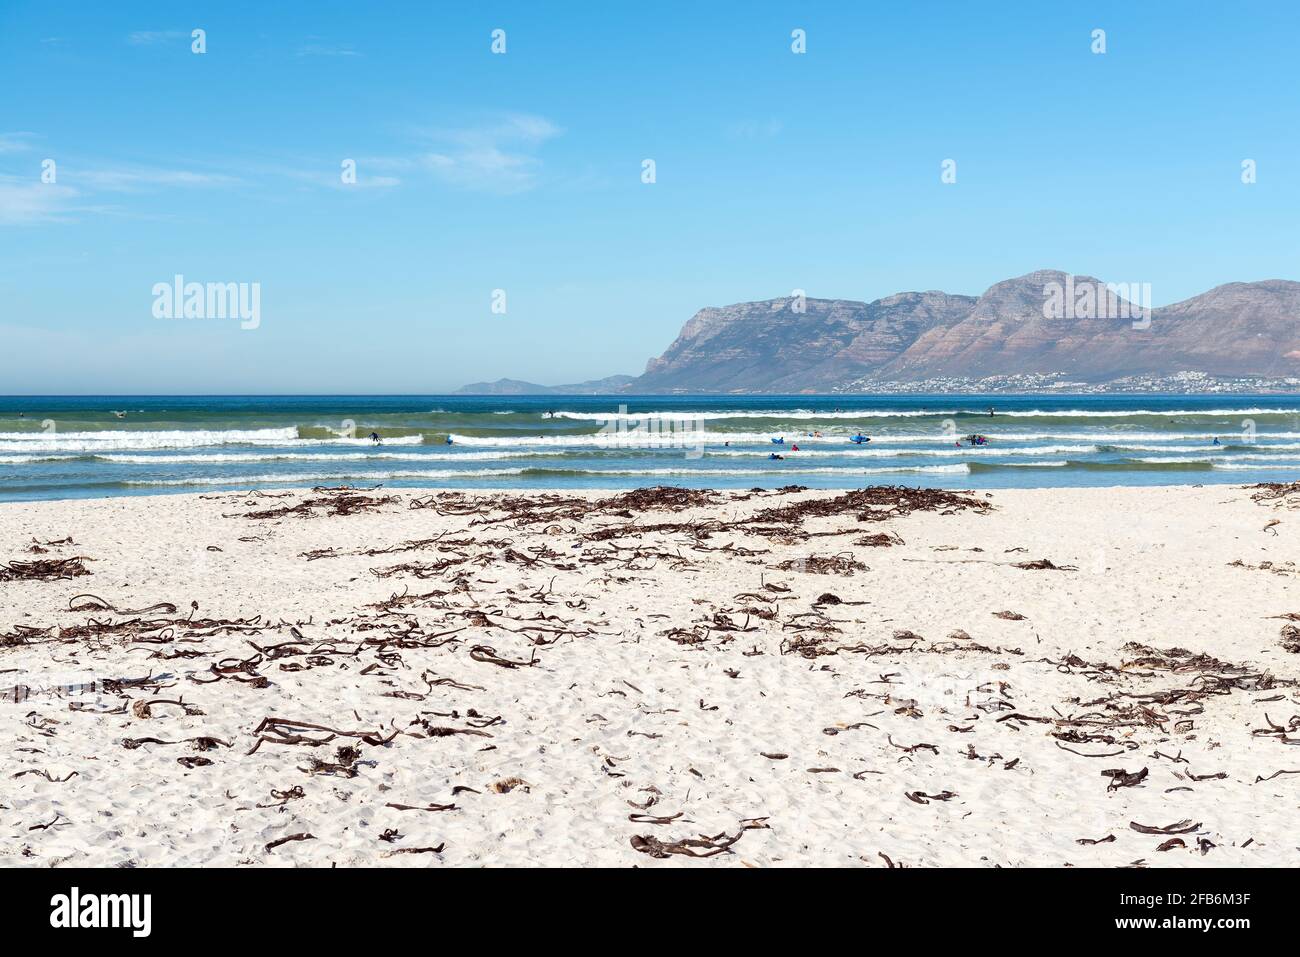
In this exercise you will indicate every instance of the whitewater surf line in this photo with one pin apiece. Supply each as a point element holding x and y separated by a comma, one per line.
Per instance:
<point>71,446</point>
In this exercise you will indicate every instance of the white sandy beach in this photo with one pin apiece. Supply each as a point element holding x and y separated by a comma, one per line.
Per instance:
<point>641,689</point>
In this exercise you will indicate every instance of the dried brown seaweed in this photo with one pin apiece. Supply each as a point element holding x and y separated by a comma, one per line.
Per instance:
<point>45,569</point>
<point>337,501</point>
<point>702,846</point>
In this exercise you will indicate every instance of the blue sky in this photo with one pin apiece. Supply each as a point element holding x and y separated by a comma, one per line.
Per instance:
<point>522,172</point>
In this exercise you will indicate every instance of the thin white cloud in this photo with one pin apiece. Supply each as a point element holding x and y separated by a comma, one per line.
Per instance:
<point>16,142</point>
<point>496,156</point>
<point>499,155</point>
<point>317,174</point>
<point>26,201</point>
<point>126,179</point>
<point>153,37</point>
<point>326,49</point>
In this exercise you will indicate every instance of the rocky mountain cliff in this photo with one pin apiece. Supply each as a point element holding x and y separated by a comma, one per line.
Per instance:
<point>1044,322</point>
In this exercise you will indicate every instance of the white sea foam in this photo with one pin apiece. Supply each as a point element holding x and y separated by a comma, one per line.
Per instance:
<point>249,480</point>
<point>1242,467</point>
<point>1129,413</point>
<point>1254,457</point>
<point>28,459</point>
<point>1272,460</point>
<point>172,439</point>
<point>1116,437</point>
<point>1203,447</point>
<point>950,451</point>
<point>442,458</point>
<point>1061,463</point>
<point>654,439</point>
<point>632,439</point>
<point>778,468</point>
<point>789,415</point>
<point>1166,459</point>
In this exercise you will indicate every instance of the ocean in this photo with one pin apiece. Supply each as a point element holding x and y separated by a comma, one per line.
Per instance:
<point>73,446</point>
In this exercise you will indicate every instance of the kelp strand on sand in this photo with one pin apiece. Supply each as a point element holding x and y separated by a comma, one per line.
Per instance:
<point>325,502</point>
<point>45,569</point>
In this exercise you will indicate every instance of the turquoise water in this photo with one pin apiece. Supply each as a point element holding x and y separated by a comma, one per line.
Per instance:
<point>66,447</point>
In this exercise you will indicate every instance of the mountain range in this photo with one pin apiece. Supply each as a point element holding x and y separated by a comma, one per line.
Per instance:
<point>606,386</point>
<point>1046,323</point>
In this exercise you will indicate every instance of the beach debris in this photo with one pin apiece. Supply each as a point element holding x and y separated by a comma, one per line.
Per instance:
<point>1259,778</point>
<point>344,765</point>
<point>325,502</point>
<point>59,820</point>
<point>875,503</point>
<point>841,564</point>
<point>1178,827</point>
<point>417,850</point>
<point>42,548</point>
<point>1045,564</point>
<point>1291,639</point>
<point>879,540</point>
<point>87,602</point>
<point>489,655</point>
<point>920,797</point>
<point>912,748</point>
<point>1276,494</point>
<point>1280,732</point>
<point>1119,778</point>
<point>273,730</point>
<point>702,846</point>
<point>46,774</point>
<point>45,569</point>
<point>272,845</point>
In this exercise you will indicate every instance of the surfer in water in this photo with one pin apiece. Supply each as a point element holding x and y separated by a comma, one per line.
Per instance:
<point>374,437</point>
